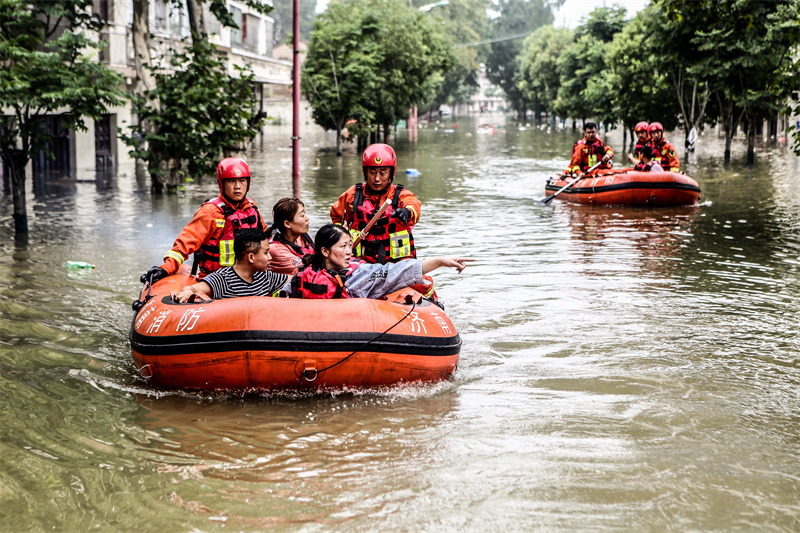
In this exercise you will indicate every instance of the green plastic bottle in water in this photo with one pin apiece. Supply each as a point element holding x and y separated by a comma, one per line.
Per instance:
<point>79,264</point>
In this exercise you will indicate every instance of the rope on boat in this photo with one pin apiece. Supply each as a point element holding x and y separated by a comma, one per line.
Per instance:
<point>305,374</point>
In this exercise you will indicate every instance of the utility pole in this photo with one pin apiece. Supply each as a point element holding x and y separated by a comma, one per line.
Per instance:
<point>296,99</point>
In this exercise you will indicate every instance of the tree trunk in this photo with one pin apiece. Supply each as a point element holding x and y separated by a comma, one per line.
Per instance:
<point>751,142</point>
<point>173,179</point>
<point>338,142</point>
<point>197,18</point>
<point>141,43</point>
<point>17,160</point>
<point>624,137</point>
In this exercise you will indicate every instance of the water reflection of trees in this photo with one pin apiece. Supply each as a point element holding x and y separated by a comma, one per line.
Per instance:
<point>659,237</point>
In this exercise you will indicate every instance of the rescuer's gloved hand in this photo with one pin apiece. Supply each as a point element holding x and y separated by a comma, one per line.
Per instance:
<point>153,275</point>
<point>403,215</point>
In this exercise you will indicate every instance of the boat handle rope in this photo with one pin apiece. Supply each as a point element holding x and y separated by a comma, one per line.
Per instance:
<point>307,372</point>
<point>138,304</point>
<point>149,368</point>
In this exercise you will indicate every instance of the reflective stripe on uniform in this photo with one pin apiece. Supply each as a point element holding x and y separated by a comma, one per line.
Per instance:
<point>226,255</point>
<point>220,222</point>
<point>172,254</point>
<point>354,233</point>
<point>399,244</point>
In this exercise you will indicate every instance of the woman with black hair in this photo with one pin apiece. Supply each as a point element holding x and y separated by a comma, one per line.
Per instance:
<point>290,241</point>
<point>331,273</point>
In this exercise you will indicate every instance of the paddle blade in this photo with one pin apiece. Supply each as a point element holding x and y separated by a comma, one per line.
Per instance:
<point>546,201</point>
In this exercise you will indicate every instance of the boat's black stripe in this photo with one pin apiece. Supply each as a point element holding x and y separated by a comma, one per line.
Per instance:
<point>293,341</point>
<point>629,185</point>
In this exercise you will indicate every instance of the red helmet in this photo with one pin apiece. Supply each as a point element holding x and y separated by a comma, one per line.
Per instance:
<point>655,126</point>
<point>230,168</point>
<point>379,155</point>
<point>642,126</point>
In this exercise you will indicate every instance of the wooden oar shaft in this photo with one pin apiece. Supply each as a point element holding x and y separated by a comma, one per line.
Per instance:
<point>372,221</point>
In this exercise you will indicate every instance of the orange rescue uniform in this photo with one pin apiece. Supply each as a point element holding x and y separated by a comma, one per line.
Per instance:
<point>208,223</point>
<point>585,156</point>
<point>342,209</point>
<point>665,154</point>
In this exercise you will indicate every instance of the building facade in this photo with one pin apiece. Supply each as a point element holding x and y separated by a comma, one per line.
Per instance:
<point>83,154</point>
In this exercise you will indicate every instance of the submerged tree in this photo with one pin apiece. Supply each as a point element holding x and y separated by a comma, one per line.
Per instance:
<point>467,23</point>
<point>539,67</point>
<point>203,113</point>
<point>741,53</point>
<point>517,19</point>
<point>49,67</point>
<point>586,89</point>
<point>369,61</point>
<point>640,90</point>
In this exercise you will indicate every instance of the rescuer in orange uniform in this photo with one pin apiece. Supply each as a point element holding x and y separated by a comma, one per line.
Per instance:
<point>211,231</point>
<point>643,138</point>
<point>588,152</point>
<point>390,239</point>
<point>664,152</point>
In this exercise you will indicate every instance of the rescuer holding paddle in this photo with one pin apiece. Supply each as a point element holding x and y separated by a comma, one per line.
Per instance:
<point>589,151</point>
<point>211,231</point>
<point>389,239</point>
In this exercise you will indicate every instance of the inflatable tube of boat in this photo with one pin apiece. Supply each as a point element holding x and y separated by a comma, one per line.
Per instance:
<point>284,343</point>
<point>630,187</point>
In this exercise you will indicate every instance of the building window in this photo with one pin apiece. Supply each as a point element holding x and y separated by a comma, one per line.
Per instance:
<point>237,34</point>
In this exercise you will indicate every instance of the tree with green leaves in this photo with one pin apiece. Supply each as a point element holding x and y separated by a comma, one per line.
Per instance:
<point>341,66</point>
<point>202,113</point>
<point>467,22</point>
<point>640,90</point>
<point>585,76</point>
<point>743,51</point>
<point>539,67</point>
<point>415,53</point>
<point>283,15</point>
<point>517,19</point>
<point>369,61</point>
<point>50,67</point>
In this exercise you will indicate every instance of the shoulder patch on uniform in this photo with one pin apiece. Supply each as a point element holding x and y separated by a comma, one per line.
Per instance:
<point>672,153</point>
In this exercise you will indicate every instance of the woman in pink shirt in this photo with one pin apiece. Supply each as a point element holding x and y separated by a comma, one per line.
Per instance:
<point>290,241</point>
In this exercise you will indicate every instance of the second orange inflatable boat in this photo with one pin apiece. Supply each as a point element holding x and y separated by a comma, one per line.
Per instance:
<point>284,343</point>
<point>629,187</point>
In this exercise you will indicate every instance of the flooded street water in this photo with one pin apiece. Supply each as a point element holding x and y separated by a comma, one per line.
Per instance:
<point>622,369</point>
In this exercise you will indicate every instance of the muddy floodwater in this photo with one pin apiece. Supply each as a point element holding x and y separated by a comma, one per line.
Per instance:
<point>622,369</point>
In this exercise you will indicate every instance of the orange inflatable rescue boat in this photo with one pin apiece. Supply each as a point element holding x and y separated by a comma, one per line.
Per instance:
<point>256,342</point>
<point>628,187</point>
